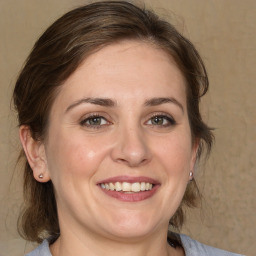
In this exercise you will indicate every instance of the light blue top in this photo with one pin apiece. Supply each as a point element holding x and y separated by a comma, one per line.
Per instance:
<point>191,247</point>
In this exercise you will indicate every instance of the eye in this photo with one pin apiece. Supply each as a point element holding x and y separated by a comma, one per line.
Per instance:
<point>94,121</point>
<point>161,120</point>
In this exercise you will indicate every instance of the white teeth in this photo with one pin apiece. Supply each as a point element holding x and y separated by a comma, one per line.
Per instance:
<point>111,186</point>
<point>118,186</point>
<point>135,187</point>
<point>127,187</point>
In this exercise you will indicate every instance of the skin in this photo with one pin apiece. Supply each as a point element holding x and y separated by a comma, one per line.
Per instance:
<point>127,140</point>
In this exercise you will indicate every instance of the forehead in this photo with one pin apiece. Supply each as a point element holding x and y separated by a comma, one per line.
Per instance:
<point>127,68</point>
<point>129,51</point>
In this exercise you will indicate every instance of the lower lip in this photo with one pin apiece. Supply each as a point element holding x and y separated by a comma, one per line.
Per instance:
<point>131,197</point>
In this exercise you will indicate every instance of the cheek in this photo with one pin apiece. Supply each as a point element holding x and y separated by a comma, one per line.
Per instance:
<point>176,153</point>
<point>74,156</point>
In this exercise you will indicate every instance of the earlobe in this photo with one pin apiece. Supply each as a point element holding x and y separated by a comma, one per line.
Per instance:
<point>35,153</point>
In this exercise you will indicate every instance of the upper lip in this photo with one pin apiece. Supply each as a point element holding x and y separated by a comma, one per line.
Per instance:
<point>129,179</point>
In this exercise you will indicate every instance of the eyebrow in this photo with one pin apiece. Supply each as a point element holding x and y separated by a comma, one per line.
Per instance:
<point>95,101</point>
<point>159,101</point>
<point>105,102</point>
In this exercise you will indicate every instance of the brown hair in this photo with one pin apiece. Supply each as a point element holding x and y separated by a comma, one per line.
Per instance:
<point>58,53</point>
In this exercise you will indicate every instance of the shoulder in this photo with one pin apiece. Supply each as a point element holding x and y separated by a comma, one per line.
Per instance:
<point>194,248</point>
<point>42,250</point>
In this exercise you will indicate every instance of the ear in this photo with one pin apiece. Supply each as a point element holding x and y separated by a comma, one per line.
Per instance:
<point>35,153</point>
<point>195,147</point>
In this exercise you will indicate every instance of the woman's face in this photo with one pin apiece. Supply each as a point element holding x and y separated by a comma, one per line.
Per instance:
<point>119,148</point>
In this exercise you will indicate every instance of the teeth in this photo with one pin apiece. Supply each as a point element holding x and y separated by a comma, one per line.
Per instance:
<point>142,186</point>
<point>118,186</point>
<point>136,187</point>
<point>111,186</point>
<point>127,187</point>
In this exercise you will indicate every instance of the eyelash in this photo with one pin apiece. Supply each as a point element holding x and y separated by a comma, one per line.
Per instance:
<point>170,121</point>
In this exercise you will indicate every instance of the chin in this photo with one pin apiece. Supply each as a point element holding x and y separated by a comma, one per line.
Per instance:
<point>131,233</point>
<point>134,226</point>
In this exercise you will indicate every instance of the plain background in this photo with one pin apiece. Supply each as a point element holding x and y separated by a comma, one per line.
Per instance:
<point>224,32</point>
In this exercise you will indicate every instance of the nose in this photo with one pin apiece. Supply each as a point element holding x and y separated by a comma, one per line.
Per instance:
<point>131,148</point>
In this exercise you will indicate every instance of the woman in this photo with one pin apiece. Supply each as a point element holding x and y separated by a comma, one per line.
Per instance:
<point>108,108</point>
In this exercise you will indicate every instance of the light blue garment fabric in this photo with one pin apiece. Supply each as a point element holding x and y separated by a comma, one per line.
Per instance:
<point>191,247</point>
<point>194,248</point>
<point>42,250</point>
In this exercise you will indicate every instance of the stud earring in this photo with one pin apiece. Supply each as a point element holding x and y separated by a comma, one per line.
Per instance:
<point>191,175</point>
<point>40,176</point>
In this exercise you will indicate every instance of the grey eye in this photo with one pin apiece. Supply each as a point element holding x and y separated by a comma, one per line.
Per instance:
<point>158,120</point>
<point>161,120</point>
<point>94,121</point>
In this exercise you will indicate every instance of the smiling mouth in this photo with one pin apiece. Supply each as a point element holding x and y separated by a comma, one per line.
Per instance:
<point>127,187</point>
